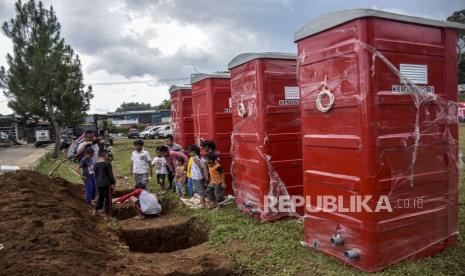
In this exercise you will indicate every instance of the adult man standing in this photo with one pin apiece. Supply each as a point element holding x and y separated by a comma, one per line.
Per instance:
<point>89,141</point>
<point>171,157</point>
<point>169,142</point>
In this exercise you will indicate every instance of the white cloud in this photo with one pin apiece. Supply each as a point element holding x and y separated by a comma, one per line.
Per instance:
<point>172,37</point>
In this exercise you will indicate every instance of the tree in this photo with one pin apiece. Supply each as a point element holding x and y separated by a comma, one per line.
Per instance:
<point>133,106</point>
<point>459,17</point>
<point>165,104</point>
<point>44,76</point>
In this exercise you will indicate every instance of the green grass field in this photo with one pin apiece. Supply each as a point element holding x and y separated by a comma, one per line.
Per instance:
<point>274,248</point>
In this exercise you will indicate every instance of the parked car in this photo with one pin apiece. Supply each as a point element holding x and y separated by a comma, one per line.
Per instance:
<point>133,134</point>
<point>144,132</point>
<point>116,135</point>
<point>5,139</point>
<point>150,132</point>
<point>153,132</point>
<point>164,131</point>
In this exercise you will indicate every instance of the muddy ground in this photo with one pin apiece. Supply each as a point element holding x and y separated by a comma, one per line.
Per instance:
<point>47,229</point>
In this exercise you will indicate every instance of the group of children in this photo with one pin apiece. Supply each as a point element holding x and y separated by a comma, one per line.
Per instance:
<point>186,171</point>
<point>206,173</point>
<point>97,174</point>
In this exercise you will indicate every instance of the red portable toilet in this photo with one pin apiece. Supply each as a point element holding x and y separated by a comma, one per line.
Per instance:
<point>211,95</point>
<point>181,114</point>
<point>379,129</point>
<point>266,140</point>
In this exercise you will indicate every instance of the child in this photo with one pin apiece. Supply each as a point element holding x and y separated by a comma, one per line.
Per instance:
<point>210,147</point>
<point>86,171</point>
<point>215,190</point>
<point>199,174</point>
<point>141,167</point>
<point>180,177</point>
<point>145,203</point>
<point>171,157</point>
<point>190,189</point>
<point>159,163</point>
<point>105,183</point>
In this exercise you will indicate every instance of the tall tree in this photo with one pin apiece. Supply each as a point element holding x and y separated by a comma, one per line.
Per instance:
<point>134,106</point>
<point>44,76</point>
<point>165,104</point>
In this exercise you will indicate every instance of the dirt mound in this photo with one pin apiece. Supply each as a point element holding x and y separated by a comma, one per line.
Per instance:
<point>196,260</point>
<point>45,228</point>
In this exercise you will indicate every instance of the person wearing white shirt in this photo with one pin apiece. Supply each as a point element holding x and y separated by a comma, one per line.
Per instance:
<point>141,167</point>
<point>199,173</point>
<point>160,165</point>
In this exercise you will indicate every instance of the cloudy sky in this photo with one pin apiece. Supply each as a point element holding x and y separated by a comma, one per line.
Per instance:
<point>132,50</point>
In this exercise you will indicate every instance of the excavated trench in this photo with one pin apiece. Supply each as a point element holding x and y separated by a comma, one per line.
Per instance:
<point>168,244</point>
<point>166,233</point>
<point>169,236</point>
<point>118,193</point>
<point>125,211</point>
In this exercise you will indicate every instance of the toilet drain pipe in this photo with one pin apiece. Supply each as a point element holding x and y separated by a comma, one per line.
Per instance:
<point>254,211</point>
<point>337,240</point>
<point>351,254</point>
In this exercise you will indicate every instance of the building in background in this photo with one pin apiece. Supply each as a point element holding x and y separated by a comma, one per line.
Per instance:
<point>145,117</point>
<point>13,126</point>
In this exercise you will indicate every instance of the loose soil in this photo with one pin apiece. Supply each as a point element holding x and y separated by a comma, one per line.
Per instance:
<point>123,211</point>
<point>46,229</point>
<point>196,260</point>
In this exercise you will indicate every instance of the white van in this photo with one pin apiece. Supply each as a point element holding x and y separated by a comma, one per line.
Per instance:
<point>164,131</point>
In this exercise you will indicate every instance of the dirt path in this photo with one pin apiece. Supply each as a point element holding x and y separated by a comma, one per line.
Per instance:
<point>24,156</point>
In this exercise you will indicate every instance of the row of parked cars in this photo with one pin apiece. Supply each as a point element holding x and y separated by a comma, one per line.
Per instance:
<point>151,132</point>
